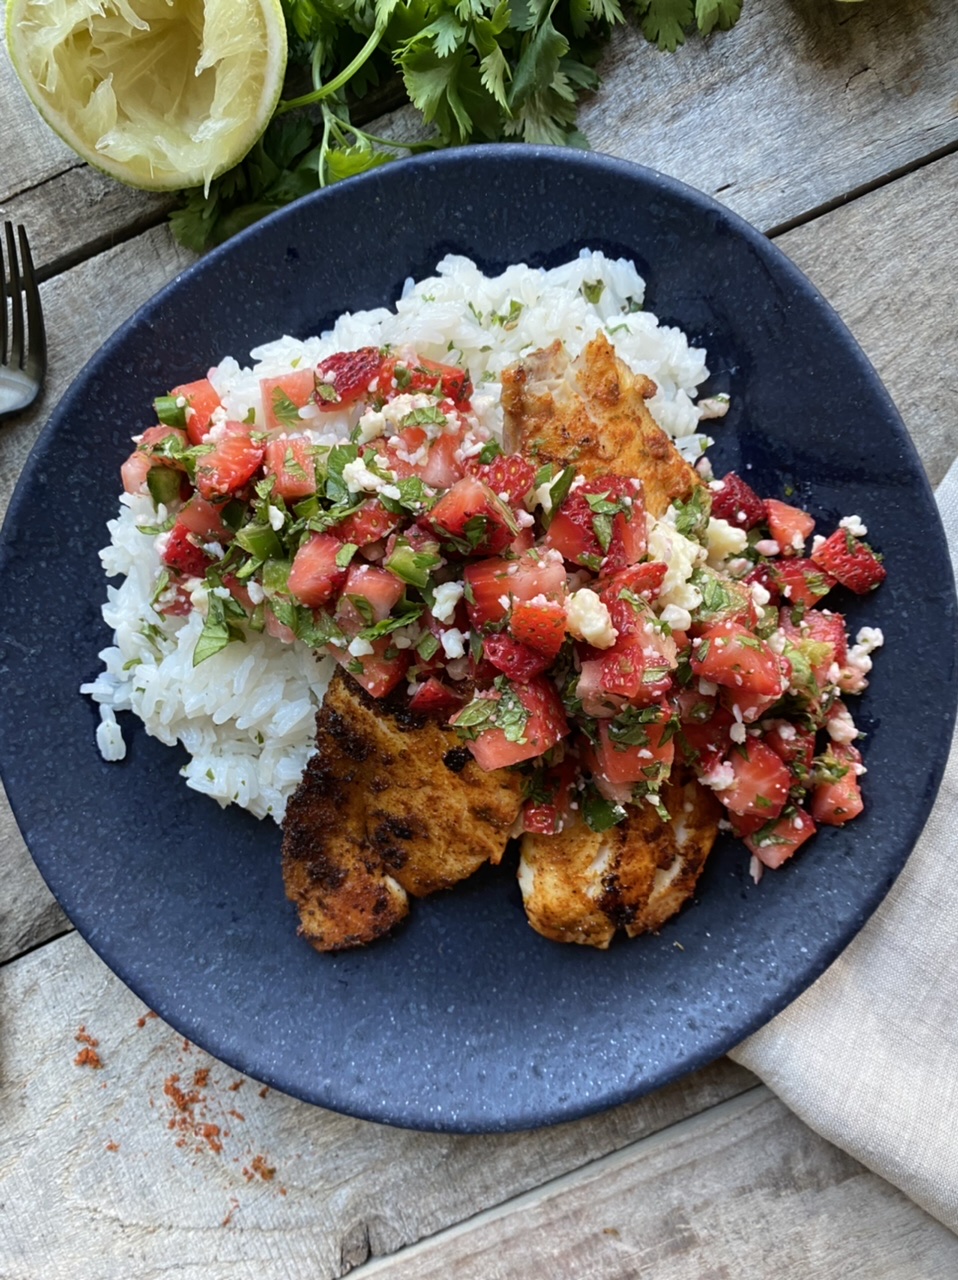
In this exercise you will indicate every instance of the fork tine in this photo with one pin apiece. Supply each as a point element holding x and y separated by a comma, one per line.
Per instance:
<point>36,356</point>
<point>3,305</point>
<point>16,301</point>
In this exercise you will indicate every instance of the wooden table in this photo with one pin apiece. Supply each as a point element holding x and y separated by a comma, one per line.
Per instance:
<point>835,129</point>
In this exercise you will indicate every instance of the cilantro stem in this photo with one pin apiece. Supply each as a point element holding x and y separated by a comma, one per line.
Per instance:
<point>334,85</point>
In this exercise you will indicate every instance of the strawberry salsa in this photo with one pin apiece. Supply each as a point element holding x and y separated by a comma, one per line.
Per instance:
<point>544,614</point>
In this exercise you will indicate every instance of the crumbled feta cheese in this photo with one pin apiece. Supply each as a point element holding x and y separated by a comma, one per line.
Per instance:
<point>255,592</point>
<point>276,519</point>
<point>707,688</point>
<point>737,732</point>
<point>759,594</point>
<point>767,547</point>
<point>359,479</point>
<point>391,491</point>
<point>840,725</point>
<point>854,526</point>
<point>681,556</point>
<point>447,596</point>
<point>720,777</point>
<point>453,643</point>
<point>371,426</point>
<point>588,619</point>
<point>360,648</point>
<point>724,540</point>
<point>677,618</point>
<point>869,639</point>
<point>216,549</point>
<point>525,519</point>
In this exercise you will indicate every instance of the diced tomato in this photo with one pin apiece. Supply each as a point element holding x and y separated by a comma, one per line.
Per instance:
<point>837,800</point>
<point>344,378</point>
<point>183,555</point>
<point>546,725</point>
<point>490,582</point>
<point>736,502</point>
<point>800,581</point>
<point>794,745</point>
<point>400,375</point>
<point>234,460</point>
<point>509,475</point>
<point>518,661</point>
<point>540,625</point>
<point>761,781</point>
<point>471,520</point>
<point>315,576</point>
<point>201,399</point>
<point>290,460</point>
<point>204,519</point>
<point>283,397</point>
<point>851,561</point>
<point>370,523</point>
<point>378,672</point>
<point>646,762</point>
<point>789,526</point>
<point>436,699</point>
<point>729,654</point>
<point>378,587</point>
<point>773,845</point>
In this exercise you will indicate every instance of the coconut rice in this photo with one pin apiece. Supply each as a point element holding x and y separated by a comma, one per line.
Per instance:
<point>246,714</point>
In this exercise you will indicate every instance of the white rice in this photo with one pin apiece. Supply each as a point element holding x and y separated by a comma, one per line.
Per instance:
<point>246,715</point>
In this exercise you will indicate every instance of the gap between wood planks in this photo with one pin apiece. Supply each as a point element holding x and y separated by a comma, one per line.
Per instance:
<point>730,1109</point>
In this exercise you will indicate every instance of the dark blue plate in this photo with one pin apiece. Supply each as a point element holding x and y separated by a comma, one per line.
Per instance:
<point>466,1020</point>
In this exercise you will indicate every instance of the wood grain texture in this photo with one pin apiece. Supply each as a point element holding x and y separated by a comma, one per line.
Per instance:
<point>743,1190</point>
<point>886,262</point>
<point>109,1172</point>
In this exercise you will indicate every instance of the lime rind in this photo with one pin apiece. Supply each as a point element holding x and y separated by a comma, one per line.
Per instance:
<point>160,94</point>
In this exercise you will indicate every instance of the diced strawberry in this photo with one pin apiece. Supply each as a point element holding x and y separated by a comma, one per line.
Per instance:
<point>518,661</point>
<point>576,527</point>
<point>851,561</point>
<point>789,526</point>
<point>629,540</point>
<point>471,520</point>
<point>762,574</point>
<point>201,399</point>
<point>345,377</point>
<point>183,556</point>
<point>748,705</point>
<point>442,468</point>
<point>400,375</point>
<point>491,582</point>
<point>838,798</point>
<point>792,744</point>
<point>729,654</point>
<point>773,845</point>
<point>822,628</point>
<point>639,665</point>
<point>380,589</point>
<point>145,456</point>
<point>370,523</point>
<point>234,460</point>
<point>647,761</point>
<point>435,699</point>
<point>703,736</point>
<point>315,575</point>
<point>540,625</point>
<point>540,818</point>
<point>761,781</point>
<point>278,630</point>
<point>378,672</point>
<point>290,460</point>
<point>736,502</point>
<point>545,726</point>
<point>641,579</point>
<point>509,475</point>
<point>204,519</point>
<point>800,581</point>
<point>590,690</point>
<point>283,397</point>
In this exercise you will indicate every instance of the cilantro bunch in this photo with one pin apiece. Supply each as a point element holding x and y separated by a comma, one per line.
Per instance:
<point>476,70</point>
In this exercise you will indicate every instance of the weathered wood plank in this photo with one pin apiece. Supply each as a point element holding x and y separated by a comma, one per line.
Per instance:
<point>743,1190</point>
<point>107,1172</point>
<point>886,263</point>
<point>796,107</point>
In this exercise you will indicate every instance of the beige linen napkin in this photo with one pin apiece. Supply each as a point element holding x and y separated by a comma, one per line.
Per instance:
<point>868,1056</point>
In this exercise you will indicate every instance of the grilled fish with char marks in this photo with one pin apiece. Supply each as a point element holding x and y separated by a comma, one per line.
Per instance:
<point>391,805</point>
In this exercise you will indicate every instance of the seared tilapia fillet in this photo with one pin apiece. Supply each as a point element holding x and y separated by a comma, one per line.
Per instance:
<point>390,805</point>
<point>582,885</point>
<point>591,413</point>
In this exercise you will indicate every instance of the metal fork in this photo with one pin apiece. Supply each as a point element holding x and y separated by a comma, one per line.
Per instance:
<point>23,359</point>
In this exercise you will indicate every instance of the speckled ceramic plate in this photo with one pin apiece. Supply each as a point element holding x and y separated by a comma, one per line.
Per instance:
<point>465,1020</point>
